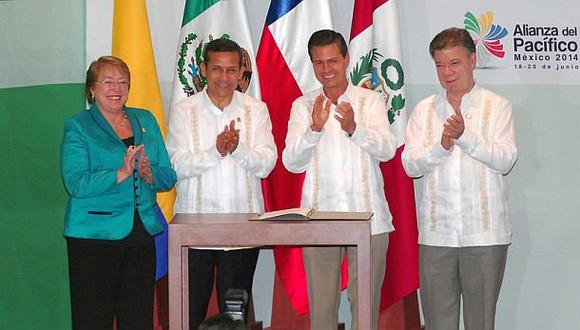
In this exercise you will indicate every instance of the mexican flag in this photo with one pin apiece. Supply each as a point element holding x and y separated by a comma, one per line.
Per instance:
<point>203,21</point>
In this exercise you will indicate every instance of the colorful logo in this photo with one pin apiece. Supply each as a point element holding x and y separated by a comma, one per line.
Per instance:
<point>486,35</point>
<point>188,70</point>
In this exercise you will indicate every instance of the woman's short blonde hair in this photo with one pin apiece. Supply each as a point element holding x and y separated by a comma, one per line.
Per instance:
<point>96,67</point>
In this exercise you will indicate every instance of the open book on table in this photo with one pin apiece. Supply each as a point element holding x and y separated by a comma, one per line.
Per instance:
<point>297,213</point>
<point>305,214</point>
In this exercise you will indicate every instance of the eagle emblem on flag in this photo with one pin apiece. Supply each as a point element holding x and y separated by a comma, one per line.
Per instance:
<point>188,65</point>
<point>365,73</point>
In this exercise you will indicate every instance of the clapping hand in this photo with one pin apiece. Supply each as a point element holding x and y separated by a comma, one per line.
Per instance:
<point>345,117</point>
<point>452,130</point>
<point>320,113</point>
<point>227,141</point>
<point>128,163</point>
<point>144,167</point>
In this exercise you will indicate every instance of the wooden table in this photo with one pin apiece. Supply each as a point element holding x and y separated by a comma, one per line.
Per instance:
<point>234,229</point>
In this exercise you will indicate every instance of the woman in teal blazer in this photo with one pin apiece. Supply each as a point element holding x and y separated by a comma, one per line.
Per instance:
<point>113,162</point>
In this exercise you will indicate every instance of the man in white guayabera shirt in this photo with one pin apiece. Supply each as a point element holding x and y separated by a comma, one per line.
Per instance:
<point>462,142</point>
<point>220,143</point>
<point>338,135</point>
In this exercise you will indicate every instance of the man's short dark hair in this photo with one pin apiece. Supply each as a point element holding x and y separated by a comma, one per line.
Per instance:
<point>221,45</point>
<point>324,38</point>
<point>452,37</point>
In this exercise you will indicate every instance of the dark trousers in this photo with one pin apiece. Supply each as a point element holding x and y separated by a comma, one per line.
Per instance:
<point>232,269</point>
<point>111,282</point>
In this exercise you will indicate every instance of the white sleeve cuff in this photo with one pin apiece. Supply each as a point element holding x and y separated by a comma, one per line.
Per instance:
<point>214,153</point>
<point>467,141</point>
<point>313,137</point>
<point>240,152</point>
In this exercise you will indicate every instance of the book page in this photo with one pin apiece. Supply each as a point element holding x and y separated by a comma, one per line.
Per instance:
<point>286,214</point>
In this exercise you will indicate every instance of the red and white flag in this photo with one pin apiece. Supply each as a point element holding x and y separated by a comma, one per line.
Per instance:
<point>285,74</point>
<point>375,63</point>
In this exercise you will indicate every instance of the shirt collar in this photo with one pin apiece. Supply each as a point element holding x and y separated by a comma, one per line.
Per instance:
<point>466,101</point>
<point>235,103</point>
<point>348,96</point>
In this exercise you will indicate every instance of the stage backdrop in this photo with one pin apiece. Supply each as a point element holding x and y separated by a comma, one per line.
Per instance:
<point>527,52</point>
<point>42,59</point>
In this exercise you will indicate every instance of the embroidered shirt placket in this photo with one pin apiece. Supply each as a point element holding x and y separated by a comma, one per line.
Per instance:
<point>364,161</point>
<point>432,183</point>
<point>483,196</point>
<point>315,189</point>
<point>248,127</point>
<point>196,148</point>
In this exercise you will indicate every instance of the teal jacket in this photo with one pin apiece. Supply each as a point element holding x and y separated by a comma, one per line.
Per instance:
<point>91,153</point>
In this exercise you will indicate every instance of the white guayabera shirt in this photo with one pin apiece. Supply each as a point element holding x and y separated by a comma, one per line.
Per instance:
<point>464,200</point>
<point>342,172</point>
<point>206,181</point>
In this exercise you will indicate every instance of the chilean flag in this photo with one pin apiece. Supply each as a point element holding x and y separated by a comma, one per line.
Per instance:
<point>285,74</point>
<point>375,62</point>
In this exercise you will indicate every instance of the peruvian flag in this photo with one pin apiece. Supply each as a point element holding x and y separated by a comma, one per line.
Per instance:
<point>375,63</point>
<point>285,74</point>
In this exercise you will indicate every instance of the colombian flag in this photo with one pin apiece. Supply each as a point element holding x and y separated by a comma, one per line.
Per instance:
<point>132,43</point>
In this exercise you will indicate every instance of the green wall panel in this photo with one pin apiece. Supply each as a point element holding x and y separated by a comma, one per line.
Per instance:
<point>33,271</point>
